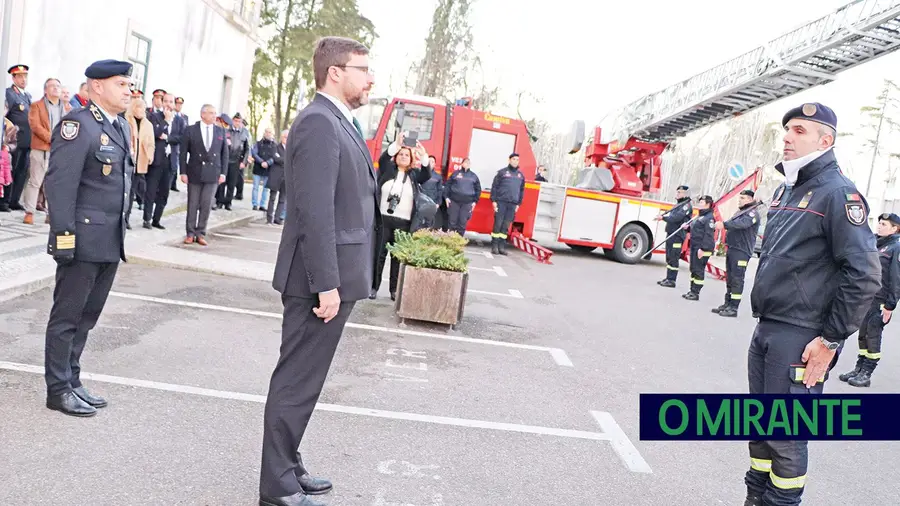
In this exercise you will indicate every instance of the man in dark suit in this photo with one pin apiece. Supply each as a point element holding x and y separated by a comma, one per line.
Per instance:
<point>167,130</point>
<point>324,262</point>
<point>275,182</point>
<point>88,185</point>
<point>204,155</point>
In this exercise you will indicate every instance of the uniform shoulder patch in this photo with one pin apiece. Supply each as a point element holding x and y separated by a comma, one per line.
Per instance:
<point>856,213</point>
<point>68,130</point>
<point>852,197</point>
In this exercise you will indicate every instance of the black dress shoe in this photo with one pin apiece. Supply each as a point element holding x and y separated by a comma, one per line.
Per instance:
<point>314,486</point>
<point>93,400</point>
<point>70,404</point>
<point>297,499</point>
<point>159,226</point>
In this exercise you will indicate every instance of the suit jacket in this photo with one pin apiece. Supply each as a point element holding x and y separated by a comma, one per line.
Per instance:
<point>200,165</point>
<point>276,170</point>
<point>173,139</point>
<point>87,185</point>
<point>329,238</point>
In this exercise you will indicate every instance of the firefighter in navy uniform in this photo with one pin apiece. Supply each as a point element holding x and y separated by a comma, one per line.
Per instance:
<point>675,218</point>
<point>879,315</point>
<point>740,240</point>
<point>87,186</point>
<point>18,102</point>
<point>507,191</point>
<point>703,243</point>
<point>817,276</point>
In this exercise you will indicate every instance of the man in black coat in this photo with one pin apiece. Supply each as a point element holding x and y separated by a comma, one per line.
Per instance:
<point>324,260</point>
<point>88,185</point>
<point>275,182</point>
<point>204,158</point>
<point>167,130</point>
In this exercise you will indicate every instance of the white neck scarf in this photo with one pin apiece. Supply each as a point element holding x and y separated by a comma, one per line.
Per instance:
<point>792,167</point>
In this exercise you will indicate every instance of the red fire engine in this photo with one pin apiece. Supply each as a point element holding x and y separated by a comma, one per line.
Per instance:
<point>608,207</point>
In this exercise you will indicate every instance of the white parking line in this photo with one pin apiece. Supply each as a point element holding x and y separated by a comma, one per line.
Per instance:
<point>252,239</point>
<point>511,293</point>
<point>559,356</point>
<point>499,270</point>
<point>611,430</point>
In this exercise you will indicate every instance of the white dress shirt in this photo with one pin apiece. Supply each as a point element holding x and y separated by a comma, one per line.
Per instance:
<point>340,105</point>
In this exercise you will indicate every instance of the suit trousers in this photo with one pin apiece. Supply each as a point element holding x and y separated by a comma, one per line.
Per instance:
<point>233,178</point>
<point>138,189</point>
<point>78,299</point>
<point>36,173</point>
<point>157,195</point>
<point>273,212</point>
<point>390,226</point>
<point>308,346</point>
<point>199,196</point>
<point>777,471</point>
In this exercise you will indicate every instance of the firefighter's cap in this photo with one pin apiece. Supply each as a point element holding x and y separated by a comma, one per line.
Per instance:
<point>683,187</point>
<point>18,69</point>
<point>748,193</point>
<point>891,217</point>
<point>513,155</point>
<point>812,111</point>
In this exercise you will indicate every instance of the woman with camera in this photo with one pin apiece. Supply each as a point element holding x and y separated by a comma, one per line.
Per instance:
<point>399,180</point>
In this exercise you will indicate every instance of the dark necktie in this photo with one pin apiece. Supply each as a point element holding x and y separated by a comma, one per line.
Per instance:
<point>358,128</point>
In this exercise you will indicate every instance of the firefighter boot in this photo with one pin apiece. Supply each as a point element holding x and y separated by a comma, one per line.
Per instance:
<point>719,309</point>
<point>753,500</point>
<point>864,378</point>
<point>495,249</point>
<point>691,296</point>
<point>729,312</point>
<point>667,283</point>
<point>501,246</point>
<point>847,375</point>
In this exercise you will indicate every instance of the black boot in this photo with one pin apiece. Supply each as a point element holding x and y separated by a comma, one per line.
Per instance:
<point>847,375</point>
<point>864,377</point>
<point>717,310</point>
<point>753,500</point>
<point>667,283</point>
<point>691,296</point>
<point>495,248</point>
<point>729,312</point>
<point>501,245</point>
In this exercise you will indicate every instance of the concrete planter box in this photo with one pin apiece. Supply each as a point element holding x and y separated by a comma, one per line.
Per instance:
<point>431,295</point>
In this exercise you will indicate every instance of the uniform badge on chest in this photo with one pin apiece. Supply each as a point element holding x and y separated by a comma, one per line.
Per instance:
<point>805,201</point>
<point>21,107</point>
<point>107,170</point>
<point>104,139</point>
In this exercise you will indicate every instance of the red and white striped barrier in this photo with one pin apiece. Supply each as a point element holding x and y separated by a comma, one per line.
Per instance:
<point>534,249</point>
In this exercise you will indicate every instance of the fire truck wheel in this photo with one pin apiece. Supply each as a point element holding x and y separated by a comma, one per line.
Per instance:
<point>581,248</point>
<point>631,242</point>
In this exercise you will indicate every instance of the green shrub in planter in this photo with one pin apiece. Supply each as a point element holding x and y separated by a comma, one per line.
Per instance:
<point>430,249</point>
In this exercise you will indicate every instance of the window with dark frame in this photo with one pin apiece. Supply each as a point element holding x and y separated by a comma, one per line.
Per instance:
<point>138,51</point>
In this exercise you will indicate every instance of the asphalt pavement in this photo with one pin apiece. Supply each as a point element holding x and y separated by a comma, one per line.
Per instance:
<point>532,399</point>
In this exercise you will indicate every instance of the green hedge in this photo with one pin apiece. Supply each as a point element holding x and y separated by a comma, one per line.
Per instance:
<point>430,249</point>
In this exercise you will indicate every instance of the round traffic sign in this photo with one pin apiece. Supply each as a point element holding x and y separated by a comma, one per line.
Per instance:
<point>736,172</point>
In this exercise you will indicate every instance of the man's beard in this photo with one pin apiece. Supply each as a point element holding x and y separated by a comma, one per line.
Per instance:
<point>357,100</point>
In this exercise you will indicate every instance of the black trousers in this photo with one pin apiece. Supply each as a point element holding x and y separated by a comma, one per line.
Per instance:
<point>138,189</point>
<point>78,299</point>
<point>442,217</point>
<point>273,210</point>
<point>503,218</point>
<point>390,226</point>
<point>307,349</point>
<point>778,468</point>
<point>673,255</point>
<point>20,160</point>
<point>234,177</point>
<point>869,340</point>
<point>735,270</point>
<point>459,214</point>
<point>698,269</point>
<point>157,194</point>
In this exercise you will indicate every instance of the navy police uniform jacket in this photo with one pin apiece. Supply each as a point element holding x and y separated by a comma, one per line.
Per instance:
<point>508,186</point>
<point>87,186</point>
<point>819,266</point>
<point>463,187</point>
<point>741,230</point>
<point>678,215</point>
<point>19,103</point>
<point>703,231</point>
<point>889,254</point>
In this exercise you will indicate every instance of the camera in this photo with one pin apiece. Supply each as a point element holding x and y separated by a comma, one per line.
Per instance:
<point>392,200</point>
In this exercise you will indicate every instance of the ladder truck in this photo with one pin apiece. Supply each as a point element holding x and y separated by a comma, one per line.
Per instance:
<point>610,208</point>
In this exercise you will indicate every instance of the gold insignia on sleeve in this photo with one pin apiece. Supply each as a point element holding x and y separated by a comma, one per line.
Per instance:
<point>65,241</point>
<point>69,129</point>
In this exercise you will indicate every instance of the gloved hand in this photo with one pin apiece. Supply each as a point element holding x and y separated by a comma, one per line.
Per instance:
<point>64,258</point>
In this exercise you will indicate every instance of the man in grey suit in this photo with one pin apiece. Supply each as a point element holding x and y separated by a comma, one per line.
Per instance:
<point>324,260</point>
<point>204,158</point>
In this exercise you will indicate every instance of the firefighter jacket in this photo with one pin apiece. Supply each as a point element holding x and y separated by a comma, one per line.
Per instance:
<point>678,215</point>
<point>508,186</point>
<point>889,254</point>
<point>819,266</point>
<point>741,230</point>
<point>463,187</point>
<point>703,231</point>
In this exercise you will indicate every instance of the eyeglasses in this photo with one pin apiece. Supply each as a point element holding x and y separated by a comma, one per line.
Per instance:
<point>367,70</point>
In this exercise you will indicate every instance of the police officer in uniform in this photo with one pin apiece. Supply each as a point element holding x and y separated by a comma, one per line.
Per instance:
<point>879,315</point>
<point>703,242</point>
<point>818,273</point>
<point>87,186</point>
<point>507,191</point>
<point>675,218</point>
<point>740,240</point>
<point>18,101</point>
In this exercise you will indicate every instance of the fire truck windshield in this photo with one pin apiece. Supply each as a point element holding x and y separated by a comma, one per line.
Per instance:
<point>369,116</point>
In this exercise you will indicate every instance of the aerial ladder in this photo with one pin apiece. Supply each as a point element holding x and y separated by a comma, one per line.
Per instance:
<point>629,144</point>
